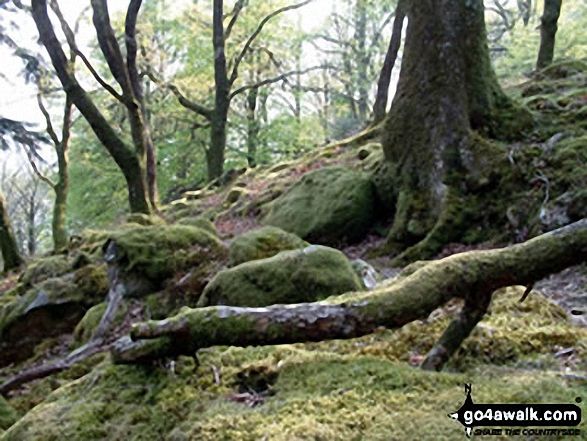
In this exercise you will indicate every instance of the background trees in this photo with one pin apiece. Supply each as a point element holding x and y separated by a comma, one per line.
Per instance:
<point>266,123</point>
<point>138,163</point>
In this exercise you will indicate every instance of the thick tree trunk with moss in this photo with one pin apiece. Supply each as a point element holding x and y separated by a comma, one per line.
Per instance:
<point>548,28</point>
<point>472,276</point>
<point>447,88</point>
<point>10,252</point>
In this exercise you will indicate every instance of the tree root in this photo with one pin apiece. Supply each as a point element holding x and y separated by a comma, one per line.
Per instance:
<point>473,276</point>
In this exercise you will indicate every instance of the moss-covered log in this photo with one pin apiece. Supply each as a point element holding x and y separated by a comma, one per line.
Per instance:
<point>474,276</point>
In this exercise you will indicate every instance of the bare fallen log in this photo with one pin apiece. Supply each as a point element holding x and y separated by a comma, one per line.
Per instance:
<point>473,276</point>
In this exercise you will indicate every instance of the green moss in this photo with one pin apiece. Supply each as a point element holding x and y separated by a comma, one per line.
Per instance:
<point>46,268</point>
<point>145,219</point>
<point>199,222</point>
<point>157,253</point>
<point>563,69</point>
<point>306,275</point>
<point>37,392</point>
<point>326,206</point>
<point>233,195</point>
<point>49,309</point>
<point>355,389</point>
<point>261,244</point>
<point>85,328</point>
<point>8,415</point>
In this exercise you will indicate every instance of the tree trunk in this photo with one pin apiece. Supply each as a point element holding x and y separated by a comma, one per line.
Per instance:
<point>252,127</point>
<point>473,276</point>
<point>31,221</point>
<point>59,229</point>
<point>363,59</point>
<point>10,252</point>
<point>135,174</point>
<point>548,28</point>
<point>446,88</point>
<point>61,188</point>
<point>132,162</point>
<point>380,106</point>
<point>215,154</point>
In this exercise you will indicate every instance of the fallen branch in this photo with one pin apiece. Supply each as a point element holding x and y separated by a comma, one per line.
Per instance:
<point>473,276</point>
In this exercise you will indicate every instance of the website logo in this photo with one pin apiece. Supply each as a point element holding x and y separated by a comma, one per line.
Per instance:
<point>472,415</point>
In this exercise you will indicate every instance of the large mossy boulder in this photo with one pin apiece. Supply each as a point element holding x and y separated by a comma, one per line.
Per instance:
<point>307,275</point>
<point>261,244</point>
<point>45,268</point>
<point>49,309</point>
<point>326,206</point>
<point>151,255</point>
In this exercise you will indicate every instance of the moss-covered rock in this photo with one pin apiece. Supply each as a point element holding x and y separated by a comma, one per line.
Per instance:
<point>157,253</point>
<point>45,268</point>
<point>261,244</point>
<point>326,206</point>
<point>8,415</point>
<point>49,309</point>
<point>199,222</point>
<point>314,273</point>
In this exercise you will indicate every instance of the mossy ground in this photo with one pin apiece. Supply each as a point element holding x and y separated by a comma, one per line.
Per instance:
<point>356,389</point>
<point>362,388</point>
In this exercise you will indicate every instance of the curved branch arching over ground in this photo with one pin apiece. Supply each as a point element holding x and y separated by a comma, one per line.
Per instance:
<point>472,276</point>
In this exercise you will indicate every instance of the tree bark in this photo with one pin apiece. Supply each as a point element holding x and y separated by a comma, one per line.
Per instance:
<point>473,276</point>
<point>10,252</point>
<point>447,88</point>
<point>215,153</point>
<point>252,127</point>
<point>548,28</point>
<point>381,98</point>
<point>363,57</point>
<point>61,188</point>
